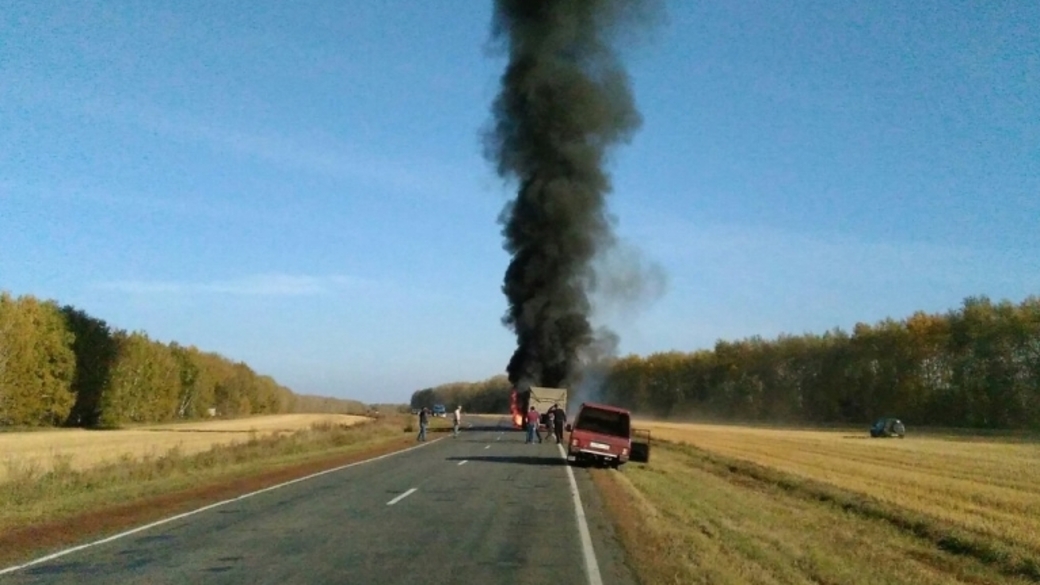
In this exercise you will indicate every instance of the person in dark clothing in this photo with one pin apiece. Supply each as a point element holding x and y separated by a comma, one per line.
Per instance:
<point>559,419</point>
<point>424,421</point>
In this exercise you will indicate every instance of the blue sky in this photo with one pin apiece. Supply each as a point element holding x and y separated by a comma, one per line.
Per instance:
<point>300,185</point>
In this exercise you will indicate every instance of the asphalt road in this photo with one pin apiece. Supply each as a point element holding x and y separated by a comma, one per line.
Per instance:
<point>481,508</point>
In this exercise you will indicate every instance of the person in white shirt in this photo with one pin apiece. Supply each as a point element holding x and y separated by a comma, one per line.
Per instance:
<point>457,420</point>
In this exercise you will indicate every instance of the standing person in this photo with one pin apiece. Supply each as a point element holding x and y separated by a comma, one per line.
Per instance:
<point>424,421</point>
<point>533,418</point>
<point>559,418</point>
<point>457,419</point>
<point>549,417</point>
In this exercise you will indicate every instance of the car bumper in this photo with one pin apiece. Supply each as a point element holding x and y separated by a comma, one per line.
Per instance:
<point>605,455</point>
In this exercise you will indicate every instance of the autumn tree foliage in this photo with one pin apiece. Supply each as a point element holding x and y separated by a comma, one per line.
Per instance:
<point>95,351</point>
<point>977,366</point>
<point>488,396</point>
<point>324,404</point>
<point>37,364</point>
<point>59,365</point>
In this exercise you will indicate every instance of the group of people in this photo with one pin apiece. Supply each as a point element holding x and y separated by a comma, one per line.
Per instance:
<point>556,417</point>
<point>424,422</point>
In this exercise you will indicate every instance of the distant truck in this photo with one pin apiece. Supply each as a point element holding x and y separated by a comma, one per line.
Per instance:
<point>603,435</point>
<point>541,398</point>
<point>439,410</point>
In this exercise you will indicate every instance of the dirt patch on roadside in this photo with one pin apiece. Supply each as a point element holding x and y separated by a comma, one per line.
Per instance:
<point>21,544</point>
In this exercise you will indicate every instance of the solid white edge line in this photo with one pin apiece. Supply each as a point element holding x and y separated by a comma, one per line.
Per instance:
<point>401,497</point>
<point>183,515</point>
<point>463,462</point>
<point>591,565</point>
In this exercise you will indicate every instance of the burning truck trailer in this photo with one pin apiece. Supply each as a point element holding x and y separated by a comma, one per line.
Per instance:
<point>541,398</point>
<point>565,101</point>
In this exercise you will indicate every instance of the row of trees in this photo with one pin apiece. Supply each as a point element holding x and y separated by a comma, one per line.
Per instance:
<point>977,366</point>
<point>61,366</point>
<point>491,395</point>
<point>326,404</point>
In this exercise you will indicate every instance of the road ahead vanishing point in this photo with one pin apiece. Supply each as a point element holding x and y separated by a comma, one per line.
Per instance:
<point>481,508</point>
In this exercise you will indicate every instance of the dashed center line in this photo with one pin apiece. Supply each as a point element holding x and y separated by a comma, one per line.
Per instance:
<point>487,446</point>
<point>401,497</point>
<point>463,462</point>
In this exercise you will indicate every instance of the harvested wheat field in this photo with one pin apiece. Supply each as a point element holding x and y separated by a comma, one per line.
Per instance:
<point>754,505</point>
<point>81,448</point>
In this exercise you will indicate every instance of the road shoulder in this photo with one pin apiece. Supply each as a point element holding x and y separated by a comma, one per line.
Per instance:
<point>610,552</point>
<point>22,544</point>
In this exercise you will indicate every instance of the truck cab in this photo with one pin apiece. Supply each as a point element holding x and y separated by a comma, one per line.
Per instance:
<point>600,434</point>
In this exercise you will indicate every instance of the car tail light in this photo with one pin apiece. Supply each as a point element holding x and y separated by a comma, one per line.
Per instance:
<point>575,443</point>
<point>624,451</point>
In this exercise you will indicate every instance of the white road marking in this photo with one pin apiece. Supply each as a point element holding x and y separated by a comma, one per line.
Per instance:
<point>463,462</point>
<point>487,446</point>
<point>591,565</point>
<point>181,516</point>
<point>402,496</point>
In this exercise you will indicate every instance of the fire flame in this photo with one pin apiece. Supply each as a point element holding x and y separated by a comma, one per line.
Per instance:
<point>514,409</point>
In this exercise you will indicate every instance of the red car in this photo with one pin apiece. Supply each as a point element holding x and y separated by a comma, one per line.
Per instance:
<point>602,434</point>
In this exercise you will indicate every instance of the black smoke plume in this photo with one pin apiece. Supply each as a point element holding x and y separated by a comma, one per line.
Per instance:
<point>564,101</point>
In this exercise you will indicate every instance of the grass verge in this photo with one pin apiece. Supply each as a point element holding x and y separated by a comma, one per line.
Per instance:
<point>85,448</point>
<point>62,505</point>
<point>694,516</point>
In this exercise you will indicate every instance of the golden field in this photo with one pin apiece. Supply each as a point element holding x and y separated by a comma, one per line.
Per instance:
<point>734,504</point>
<point>35,499</point>
<point>81,449</point>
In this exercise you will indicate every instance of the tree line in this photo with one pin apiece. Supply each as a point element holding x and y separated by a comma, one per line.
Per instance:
<point>488,396</point>
<point>977,366</point>
<point>62,366</point>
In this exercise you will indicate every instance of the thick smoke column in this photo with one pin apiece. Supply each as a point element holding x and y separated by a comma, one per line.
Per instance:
<point>565,99</point>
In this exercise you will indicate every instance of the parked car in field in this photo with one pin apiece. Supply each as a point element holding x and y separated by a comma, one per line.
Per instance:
<point>888,427</point>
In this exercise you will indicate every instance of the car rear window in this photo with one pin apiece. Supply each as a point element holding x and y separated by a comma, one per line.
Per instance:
<point>605,422</point>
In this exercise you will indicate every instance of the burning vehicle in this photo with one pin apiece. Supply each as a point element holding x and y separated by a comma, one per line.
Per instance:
<point>541,398</point>
<point>564,103</point>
